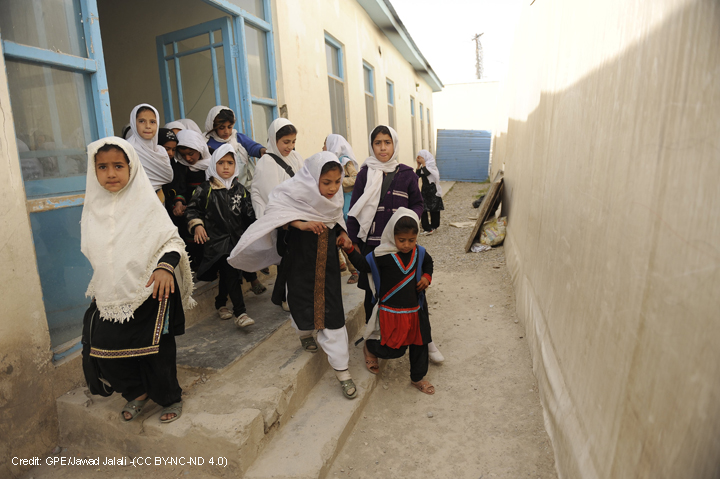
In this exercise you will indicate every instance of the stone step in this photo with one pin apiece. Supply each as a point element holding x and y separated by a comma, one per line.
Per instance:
<point>308,443</point>
<point>231,413</point>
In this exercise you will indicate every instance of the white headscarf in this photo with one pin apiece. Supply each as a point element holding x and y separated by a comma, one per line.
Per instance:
<point>342,149</point>
<point>211,171</point>
<point>190,125</point>
<point>433,169</point>
<point>153,157</point>
<point>366,206</point>
<point>268,174</point>
<point>174,124</point>
<point>387,246</point>
<point>298,198</point>
<point>196,141</point>
<point>123,235</point>
<point>241,155</point>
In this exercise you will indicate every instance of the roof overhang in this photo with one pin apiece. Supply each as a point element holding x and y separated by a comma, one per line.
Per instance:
<point>386,18</point>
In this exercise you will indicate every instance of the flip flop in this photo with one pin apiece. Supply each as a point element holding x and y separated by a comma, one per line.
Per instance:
<point>309,344</point>
<point>347,385</point>
<point>424,387</point>
<point>175,408</point>
<point>371,362</point>
<point>353,278</point>
<point>134,408</point>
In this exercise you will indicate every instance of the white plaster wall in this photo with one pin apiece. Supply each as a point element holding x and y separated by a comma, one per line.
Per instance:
<point>302,73</point>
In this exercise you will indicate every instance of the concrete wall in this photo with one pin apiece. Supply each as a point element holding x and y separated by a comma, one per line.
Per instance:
<point>467,106</point>
<point>610,150</point>
<point>28,421</point>
<point>302,73</point>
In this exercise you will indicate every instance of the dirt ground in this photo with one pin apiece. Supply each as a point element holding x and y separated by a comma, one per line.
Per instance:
<point>485,419</point>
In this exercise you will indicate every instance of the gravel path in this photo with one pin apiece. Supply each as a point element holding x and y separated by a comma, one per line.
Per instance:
<point>447,244</point>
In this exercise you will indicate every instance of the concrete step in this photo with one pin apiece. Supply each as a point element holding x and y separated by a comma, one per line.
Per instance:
<point>231,413</point>
<point>307,445</point>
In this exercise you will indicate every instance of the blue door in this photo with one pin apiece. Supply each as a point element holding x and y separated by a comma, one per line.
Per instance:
<point>463,155</point>
<point>198,71</point>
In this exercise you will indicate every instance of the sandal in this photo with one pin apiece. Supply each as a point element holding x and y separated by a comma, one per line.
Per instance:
<point>133,408</point>
<point>346,386</point>
<point>244,320</point>
<point>175,408</point>
<point>424,387</point>
<point>257,287</point>
<point>353,278</point>
<point>224,313</point>
<point>371,362</point>
<point>309,344</point>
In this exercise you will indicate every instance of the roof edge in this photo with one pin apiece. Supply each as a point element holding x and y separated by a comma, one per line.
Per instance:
<point>383,14</point>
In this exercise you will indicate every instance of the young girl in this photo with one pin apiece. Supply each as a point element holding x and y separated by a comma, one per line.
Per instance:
<point>144,139</point>
<point>310,206</point>
<point>400,271</point>
<point>431,192</point>
<point>168,140</point>
<point>140,286</point>
<point>279,163</point>
<point>342,149</point>
<point>218,214</point>
<point>219,129</point>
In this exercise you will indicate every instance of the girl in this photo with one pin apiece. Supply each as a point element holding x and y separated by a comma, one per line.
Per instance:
<point>400,271</point>
<point>144,139</point>
<point>342,149</point>
<point>218,214</point>
<point>310,206</point>
<point>183,124</point>
<point>140,286</point>
<point>168,140</point>
<point>382,186</point>
<point>431,192</point>
<point>279,163</point>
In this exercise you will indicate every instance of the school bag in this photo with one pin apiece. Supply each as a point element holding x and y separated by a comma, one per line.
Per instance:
<point>281,163</point>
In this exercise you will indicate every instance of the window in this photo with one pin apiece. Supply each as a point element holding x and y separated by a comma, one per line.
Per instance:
<point>369,80</point>
<point>238,57</point>
<point>391,103</point>
<point>336,85</point>
<point>422,128</point>
<point>412,127</point>
<point>58,90</point>
<point>430,133</point>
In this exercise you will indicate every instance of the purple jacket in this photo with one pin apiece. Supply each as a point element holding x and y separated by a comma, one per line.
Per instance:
<point>403,191</point>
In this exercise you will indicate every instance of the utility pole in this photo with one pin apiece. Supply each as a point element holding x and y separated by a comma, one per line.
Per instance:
<point>478,56</point>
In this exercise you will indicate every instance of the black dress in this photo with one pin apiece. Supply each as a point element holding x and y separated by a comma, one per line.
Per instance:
<point>312,275</point>
<point>138,355</point>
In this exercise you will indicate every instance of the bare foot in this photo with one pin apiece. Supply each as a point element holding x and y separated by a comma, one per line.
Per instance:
<point>424,386</point>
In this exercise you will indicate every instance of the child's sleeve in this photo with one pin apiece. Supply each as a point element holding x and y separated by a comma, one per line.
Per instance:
<point>427,267</point>
<point>178,186</point>
<point>359,261</point>
<point>422,172</point>
<point>248,212</point>
<point>253,148</point>
<point>196,209</point>
<point>415,199</point>
<point>352,223</point>
<point>350,175</point>
<point>171,258</point>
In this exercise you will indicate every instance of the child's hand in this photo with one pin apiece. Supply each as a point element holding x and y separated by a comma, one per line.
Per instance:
<point>179,209</point>
<point>344,242</point>
<point>316,227</point>
<point>422,284</point>
<point>200,234</point>
<point>163,284</point>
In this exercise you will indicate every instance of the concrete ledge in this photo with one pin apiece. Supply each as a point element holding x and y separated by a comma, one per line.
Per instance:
<point>234,413</point>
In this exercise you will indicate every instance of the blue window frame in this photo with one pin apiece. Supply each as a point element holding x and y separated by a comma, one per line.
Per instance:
<point>336,85</point>
<point>251,42</point>
<point>391,103</point>
<point>369,84</point>
<point>63,97</point>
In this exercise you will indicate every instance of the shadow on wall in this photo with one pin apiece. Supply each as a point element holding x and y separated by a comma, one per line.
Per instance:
<point>614,208</point>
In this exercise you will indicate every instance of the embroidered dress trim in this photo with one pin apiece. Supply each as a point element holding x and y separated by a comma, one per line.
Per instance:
<point>399,310</point>
<point>166,267</point>
<point>320,270</point>
<point>401,265</point>
<point>398,287</point>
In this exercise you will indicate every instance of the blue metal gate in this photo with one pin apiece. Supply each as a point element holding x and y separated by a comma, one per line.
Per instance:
<point>463,155</point>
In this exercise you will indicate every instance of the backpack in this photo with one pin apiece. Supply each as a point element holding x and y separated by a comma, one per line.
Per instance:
<point>370,258</point>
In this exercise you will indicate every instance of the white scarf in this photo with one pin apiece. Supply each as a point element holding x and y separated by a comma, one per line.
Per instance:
<point>387,246</point>
<point>366,206</point>
<point>342,149</point>
<point>211,171</point>
<point>173,125</point>
<point>190,125</point>
<point>242,158</point>
<point>268,174</point>
<point>433,169</point>
<point>153,157</point>
<point>298,198</point>
<point>194,140</point>
<point>124,235</point>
